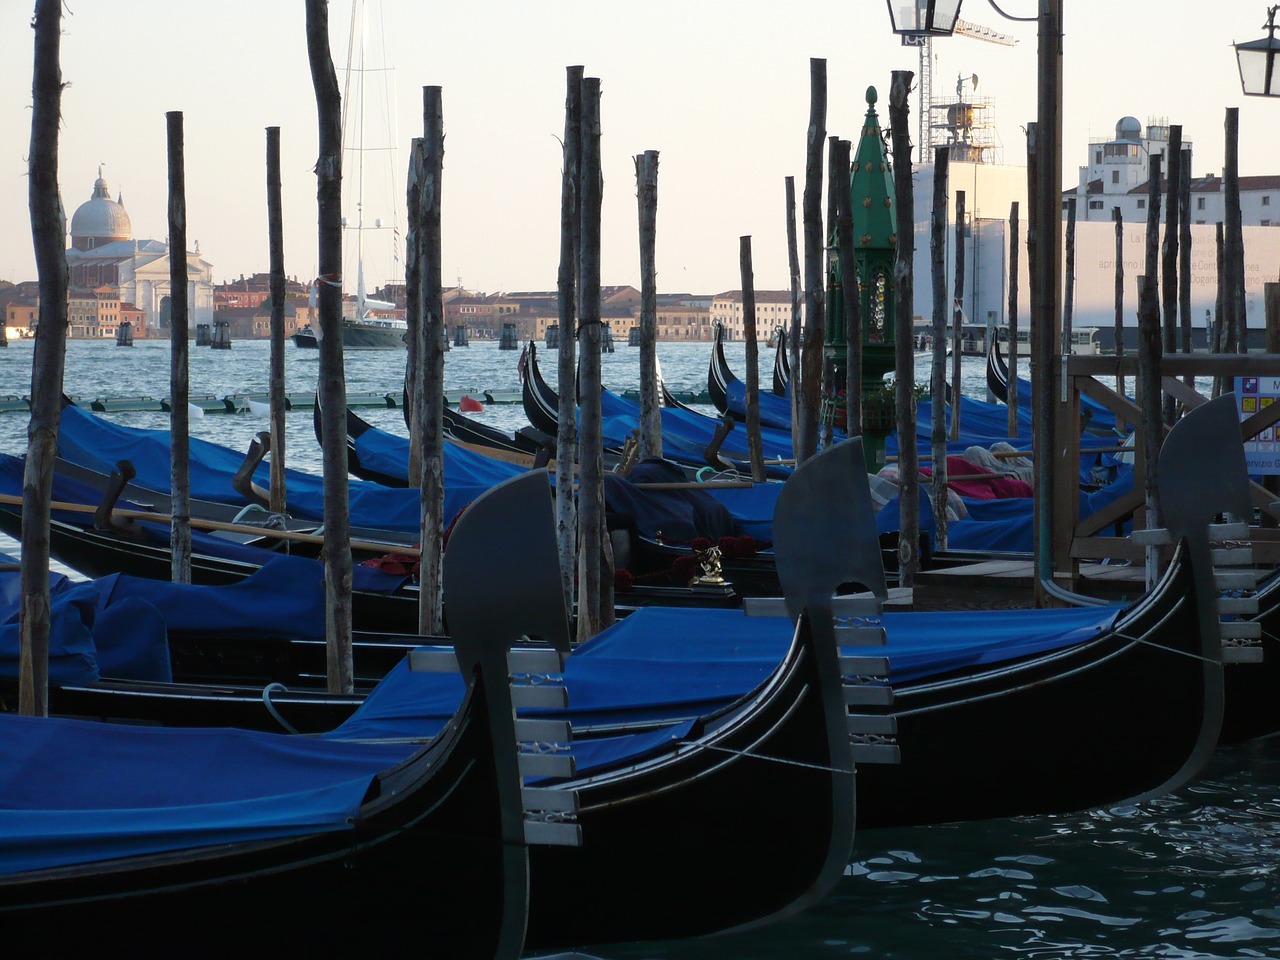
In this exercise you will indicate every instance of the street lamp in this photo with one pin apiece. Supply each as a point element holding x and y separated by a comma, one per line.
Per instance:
<point>924,18</point>
<point>1053,466</point>
<point>1257,59</point>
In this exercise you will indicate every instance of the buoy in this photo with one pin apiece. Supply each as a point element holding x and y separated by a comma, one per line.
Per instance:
<point>470,405</point>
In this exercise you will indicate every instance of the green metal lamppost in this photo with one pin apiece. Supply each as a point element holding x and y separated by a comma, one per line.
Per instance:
<point>874,251</point>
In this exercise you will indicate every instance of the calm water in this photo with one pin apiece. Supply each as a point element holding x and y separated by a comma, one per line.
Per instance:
<point>1191,876</point>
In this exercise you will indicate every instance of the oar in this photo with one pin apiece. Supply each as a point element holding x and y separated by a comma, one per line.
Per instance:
<point>372,546</point>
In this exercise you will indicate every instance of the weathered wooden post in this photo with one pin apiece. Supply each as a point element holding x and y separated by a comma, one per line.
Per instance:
<point>793,340</point>
<point>754,449</point>
<point>1117,217</point>
<point>431,394</point>
<point>566,363</point>
<point>275,383</point>
<point>814,264</point>
<point>1223,331</point>
<point>1169,257</point>
<point>1233,251</point>
<point>851,297</point>
<point>904,374</point>
<point>1184,257</point>
<point>957,320</point>
<point>1149,392</point>
<point>179,392</point>
<point>1011,364</point>
<point>592,535</point>
<point>650,399</point>
<point>1068,290</point>
<point>333,380</point>
<point>48,234</point>
<point>413,307</point>
<point>833,336</point>
<point>938,358</point>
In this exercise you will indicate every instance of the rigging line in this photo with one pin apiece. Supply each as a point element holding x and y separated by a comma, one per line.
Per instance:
<point>824,768</point>
<point>1159,646</point>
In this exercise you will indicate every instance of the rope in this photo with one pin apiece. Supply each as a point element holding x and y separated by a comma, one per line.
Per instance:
<point>789,763</point>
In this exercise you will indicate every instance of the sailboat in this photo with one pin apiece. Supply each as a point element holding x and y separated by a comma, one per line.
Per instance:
<point>374,324</point>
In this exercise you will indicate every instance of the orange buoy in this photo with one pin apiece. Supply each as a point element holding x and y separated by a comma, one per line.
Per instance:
<point>470,405</point>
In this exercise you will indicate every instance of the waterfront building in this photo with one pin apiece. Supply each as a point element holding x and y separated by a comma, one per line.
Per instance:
<point>773,311</point>
<point>104,252</point>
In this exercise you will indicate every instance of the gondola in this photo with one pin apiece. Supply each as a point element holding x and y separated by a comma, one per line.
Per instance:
<point>728,393</point>
<point>781,366</point>
<point>690,438</point>
<point>649,808</point>
<point>286,842</point>
<point>1097,419</point>
<point>985,684</point>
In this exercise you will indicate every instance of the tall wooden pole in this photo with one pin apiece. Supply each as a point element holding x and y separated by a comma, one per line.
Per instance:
<point>793,332</point>
<point>592,537</point>
<point>413,306</point>
<point>333,380</point>
<point>566,364</point>
<point>1169,256</point>
<point>1118,218</point>
<point>179,391</point>
<point>957,319</point>
<point>1068,293</point>
<point>48,235</point>
<point>1046,287</point>
<point>275,385</point>
<point>754,449</point>
<point>904,348</point>
<point>1184,256</point>
<point>650,399</point>
<point>852,299</point>
<point>826,425</point>
<point>431,395</point>
<point>1233,250</point>
<point>1012,362</point>
<point>938,360</point>
<point>814,266</point>
<point>1148,391</point>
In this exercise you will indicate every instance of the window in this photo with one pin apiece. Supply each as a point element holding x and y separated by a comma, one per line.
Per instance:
<point>1115,176</point>
<point>1266,201</point>
<point>1097,156</point>
<point>1199,203</point>
<point>1095,204</point>
<point>1142,203</point>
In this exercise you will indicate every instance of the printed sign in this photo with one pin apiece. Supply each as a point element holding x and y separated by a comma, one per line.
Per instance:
<point>1261,452</point>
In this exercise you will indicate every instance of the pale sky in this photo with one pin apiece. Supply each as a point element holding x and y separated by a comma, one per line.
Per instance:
<point>720,88</point>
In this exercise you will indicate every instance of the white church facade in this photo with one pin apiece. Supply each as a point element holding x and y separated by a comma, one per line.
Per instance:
<point>103,252</point>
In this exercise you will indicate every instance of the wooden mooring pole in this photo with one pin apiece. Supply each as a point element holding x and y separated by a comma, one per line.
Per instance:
<point>815,259</point>
<point>430,399</point>
<point>179,391</point>
<point>938,359</point>
<point>650,396</point>
<point>793,330</point>
<point>957,318</point>
<point>566,363</point>
<point>754,449</point>
<point>275,386</point>
<point>850,294</point>
<point>1012,363</point>
<point>904,347</point>
<point>48,236</point>
<point>333,382</point>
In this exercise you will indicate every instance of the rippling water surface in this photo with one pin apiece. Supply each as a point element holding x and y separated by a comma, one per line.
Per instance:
<point>1190,876</point>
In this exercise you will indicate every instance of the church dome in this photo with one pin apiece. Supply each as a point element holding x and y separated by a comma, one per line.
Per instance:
<point>99,219</point>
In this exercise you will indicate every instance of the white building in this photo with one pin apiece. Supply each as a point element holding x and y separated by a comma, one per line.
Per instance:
<point>1116,176</point>
<point>773,311</point>
<point>104,252</point>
